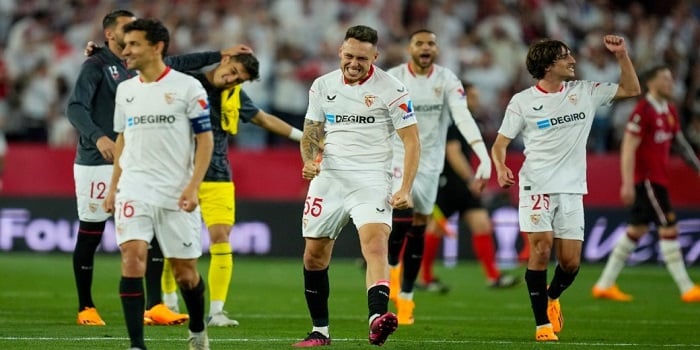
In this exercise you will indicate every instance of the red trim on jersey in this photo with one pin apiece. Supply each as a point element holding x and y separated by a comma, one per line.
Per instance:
<point>161,76</point>
<point>538,87</point>
<point>410,71</point>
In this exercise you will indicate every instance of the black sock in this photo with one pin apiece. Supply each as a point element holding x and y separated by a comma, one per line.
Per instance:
<point>378,299</point>
<point>401,223</point>
<point>154,270</point>
<point>560,282</point>
<point>131,294</point>
<point>89,237</point>
<point>412,257</point>
<point>537,287</point>
<point>194,300</point>
<point>317,291</point>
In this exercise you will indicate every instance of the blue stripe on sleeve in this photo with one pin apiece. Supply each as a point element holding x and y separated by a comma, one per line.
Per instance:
<point>201,124</point>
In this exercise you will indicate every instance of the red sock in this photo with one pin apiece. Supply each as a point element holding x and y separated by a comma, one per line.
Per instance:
<point>486,253</point>
<point>430,250</point>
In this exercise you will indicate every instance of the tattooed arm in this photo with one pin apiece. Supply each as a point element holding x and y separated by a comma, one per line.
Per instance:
<point>311,145</point>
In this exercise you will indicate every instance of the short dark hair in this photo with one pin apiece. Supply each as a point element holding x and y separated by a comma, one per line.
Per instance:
<point>154,29</point>
<point>651,73</point>
<point>362,33</point>
<point>111,18</point>
<point>541,55</point>
<point>250,63</point>
<point>419,31</point>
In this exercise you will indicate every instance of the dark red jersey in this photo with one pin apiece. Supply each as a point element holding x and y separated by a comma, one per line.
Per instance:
<point>656,124</point>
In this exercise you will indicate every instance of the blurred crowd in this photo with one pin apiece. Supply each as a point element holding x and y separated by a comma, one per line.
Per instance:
<point>483,41</point>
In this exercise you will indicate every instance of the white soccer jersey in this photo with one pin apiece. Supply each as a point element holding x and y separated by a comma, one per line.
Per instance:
<point>360,120</point>
<point>555,127</point>
<point>157,120</point>
<point>436,97</point>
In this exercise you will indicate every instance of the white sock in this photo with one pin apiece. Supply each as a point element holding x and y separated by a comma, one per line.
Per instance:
<point>170,300</point>
<point>671,253</point>
<point>406,296</point>
<point>215,307</point>
<point>322,330</point>
<point>616,261</point>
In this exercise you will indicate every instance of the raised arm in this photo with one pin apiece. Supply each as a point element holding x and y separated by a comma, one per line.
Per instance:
<point>276,125</point>
<point>629,83</point>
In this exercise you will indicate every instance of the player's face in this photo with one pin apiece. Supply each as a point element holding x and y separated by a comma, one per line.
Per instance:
<point>229,73</point>
<point>356,58</point>
<point>117,33</point>
<point>138,52</point>
<point>564,65</point>
<point>663,84</point>
<point>423,49</point>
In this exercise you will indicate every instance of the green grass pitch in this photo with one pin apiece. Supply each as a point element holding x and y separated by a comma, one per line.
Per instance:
<point>38,309</point>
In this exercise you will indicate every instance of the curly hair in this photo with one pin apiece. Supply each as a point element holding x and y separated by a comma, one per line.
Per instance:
<point>542,54</point>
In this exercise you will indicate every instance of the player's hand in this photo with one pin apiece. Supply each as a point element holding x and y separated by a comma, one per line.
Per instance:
<point>188,200</point>
<point>615,44</point>
<point>627,194</point>
<point>476,186</point>
<point>106,147</point>
<point>402,199</point>
<point>238,49</point>
<point>483,171</point>
<point>90,48</point>
<point>311,169</point>
<point>505,177</point>
<point>108,203</point>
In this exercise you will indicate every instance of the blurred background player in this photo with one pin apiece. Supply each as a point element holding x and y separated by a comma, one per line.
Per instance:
<point>160,116</point>
<point>438,98</point>
<point>459,192</point>
<point>651,130</point>
<point>91,111</point>
<point>229,104</point>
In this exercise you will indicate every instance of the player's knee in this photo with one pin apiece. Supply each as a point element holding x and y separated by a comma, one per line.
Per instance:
<point>570,266</point>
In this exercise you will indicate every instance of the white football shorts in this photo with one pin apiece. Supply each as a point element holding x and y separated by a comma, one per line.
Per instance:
<point>424,191</point>
<point>91,186</point>
<point>178,232</point>
<point>335,196</point>
<point>561,213</point>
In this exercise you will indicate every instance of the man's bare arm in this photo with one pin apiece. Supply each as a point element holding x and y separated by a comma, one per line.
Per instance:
<point>311,143</point>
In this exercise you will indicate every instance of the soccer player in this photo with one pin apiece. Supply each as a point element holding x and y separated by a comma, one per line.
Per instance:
<point>459,192</point>
<point>555,118</point>
<point>438,97</point>
<point>91,111</point>
<point>159,116</point>
<point>228,104</point>
<point>352,118</point>
<point>650,132</point>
